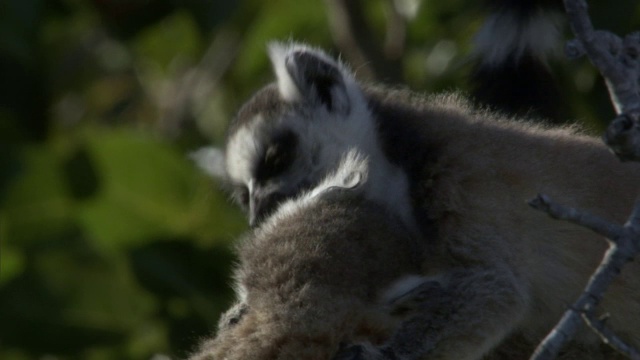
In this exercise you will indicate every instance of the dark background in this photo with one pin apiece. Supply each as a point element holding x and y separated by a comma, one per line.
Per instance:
<point>112,244</point>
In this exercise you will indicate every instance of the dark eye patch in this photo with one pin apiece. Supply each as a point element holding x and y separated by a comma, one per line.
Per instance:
<point>278,156</point>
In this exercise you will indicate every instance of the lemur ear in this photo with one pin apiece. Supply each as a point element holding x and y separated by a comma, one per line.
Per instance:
<point>211,161</point>
<point>309,75</point>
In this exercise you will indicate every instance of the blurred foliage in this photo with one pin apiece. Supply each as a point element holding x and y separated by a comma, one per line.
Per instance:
<point>112,244</point>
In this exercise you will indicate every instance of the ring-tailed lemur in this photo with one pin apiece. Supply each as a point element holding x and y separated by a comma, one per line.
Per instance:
<point>332,274</point>
<point>512,51</point>
<point>511,75</point>
<point>461,177</point>
<point>292,133</point>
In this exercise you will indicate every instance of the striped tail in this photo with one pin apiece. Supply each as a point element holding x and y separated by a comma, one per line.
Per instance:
<point>512,50</point>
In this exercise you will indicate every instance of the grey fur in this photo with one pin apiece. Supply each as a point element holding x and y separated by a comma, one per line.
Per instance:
<point>457,176</point>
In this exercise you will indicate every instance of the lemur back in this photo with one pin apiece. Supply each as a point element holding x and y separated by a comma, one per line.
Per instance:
<point>470,185</point>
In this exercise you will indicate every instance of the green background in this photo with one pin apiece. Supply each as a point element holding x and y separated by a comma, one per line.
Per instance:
<point>112,244</point>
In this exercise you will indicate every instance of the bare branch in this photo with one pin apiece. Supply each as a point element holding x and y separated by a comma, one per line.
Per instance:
<point>618,60</point>
<point>625,245</point>
<point>576,216</point>
<point>607,53</point>
<point>634,219</point>
<point>575,50</point>
<point>598,325</point>
<point>623,136</point>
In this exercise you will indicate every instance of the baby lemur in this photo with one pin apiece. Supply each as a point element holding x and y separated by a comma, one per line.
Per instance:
<point>309,276</point>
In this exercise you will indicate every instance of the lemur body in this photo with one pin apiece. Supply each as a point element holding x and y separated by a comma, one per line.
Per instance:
<point>457,176</point>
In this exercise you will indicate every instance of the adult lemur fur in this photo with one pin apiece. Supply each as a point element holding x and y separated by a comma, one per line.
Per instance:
<point>333,274</point>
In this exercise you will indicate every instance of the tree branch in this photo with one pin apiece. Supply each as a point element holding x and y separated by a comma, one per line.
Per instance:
<point>618,61</point>
<point>609,337</point>
<point>576,216</point>
<point>624,246</point>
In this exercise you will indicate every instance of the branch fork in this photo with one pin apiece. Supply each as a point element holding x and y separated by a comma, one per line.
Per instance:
<point>624,246</point>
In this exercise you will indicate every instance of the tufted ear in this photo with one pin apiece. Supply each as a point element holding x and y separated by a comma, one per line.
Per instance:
<point>309,75</point>
<point>211,161</point>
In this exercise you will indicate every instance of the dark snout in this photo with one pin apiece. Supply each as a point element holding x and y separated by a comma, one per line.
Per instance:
<point>262,204</point>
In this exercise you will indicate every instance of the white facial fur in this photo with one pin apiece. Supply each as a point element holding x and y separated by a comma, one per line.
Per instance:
<point>242,150</point>
<point>325,135</point>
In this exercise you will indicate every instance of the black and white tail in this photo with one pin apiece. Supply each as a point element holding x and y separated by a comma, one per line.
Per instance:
<point>513,47</point>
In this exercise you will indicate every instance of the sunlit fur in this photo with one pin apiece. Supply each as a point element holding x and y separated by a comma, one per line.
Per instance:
<point>464,177</point>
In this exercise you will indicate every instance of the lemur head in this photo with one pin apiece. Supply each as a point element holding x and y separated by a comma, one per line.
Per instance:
<point>293,132</point>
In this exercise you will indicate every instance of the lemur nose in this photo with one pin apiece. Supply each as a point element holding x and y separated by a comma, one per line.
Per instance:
<point>261,205</point>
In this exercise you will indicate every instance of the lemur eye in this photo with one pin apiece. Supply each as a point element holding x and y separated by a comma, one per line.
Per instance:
<point>278,156</point>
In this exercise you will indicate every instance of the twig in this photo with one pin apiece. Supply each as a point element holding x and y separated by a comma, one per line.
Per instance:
<point>617,61</point>
<point>576,216</point>
<point>624,246</point>
<point>609,337</point>
<point>623,136</point>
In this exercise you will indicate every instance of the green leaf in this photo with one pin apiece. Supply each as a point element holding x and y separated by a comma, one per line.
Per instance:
<point>150,190</point>
<point>37,202</point>
<point>173,41</point>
